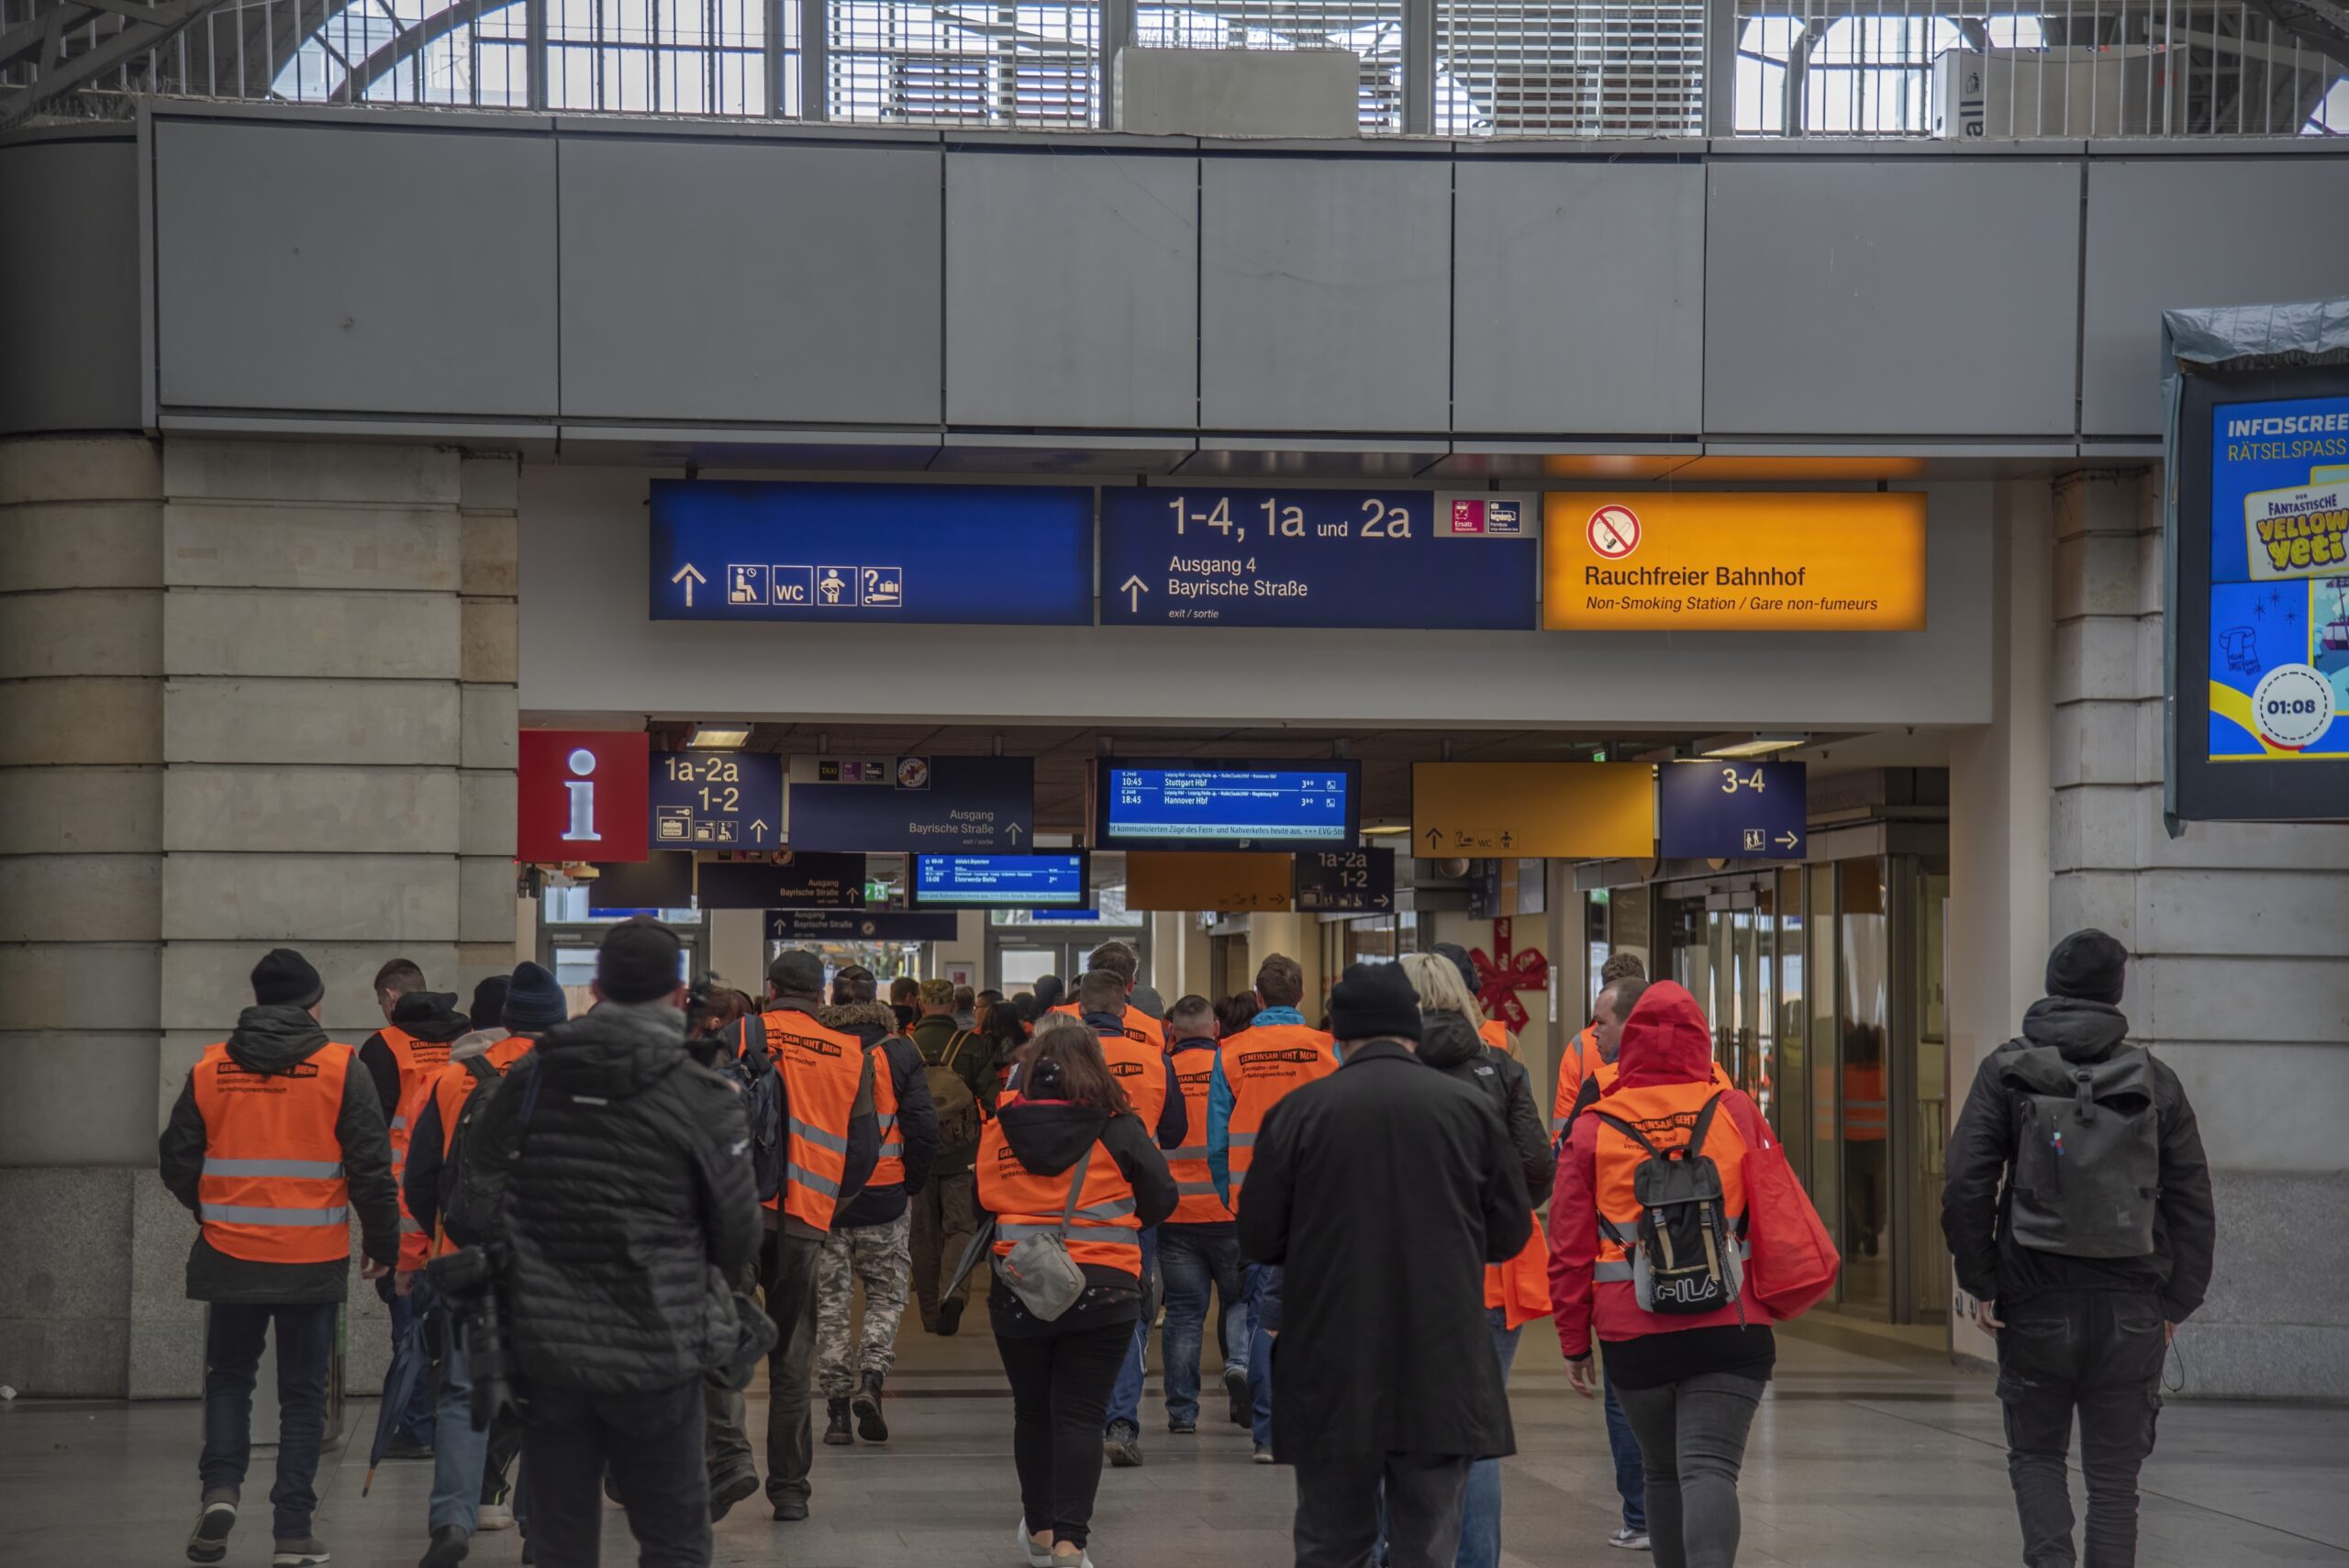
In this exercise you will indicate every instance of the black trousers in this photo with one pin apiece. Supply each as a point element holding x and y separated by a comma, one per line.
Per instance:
<point>651,1443</point>
<point>1060,1395</point>
<point>1336,1510</point>
<point>2099,1353</point>
<point>790,1271</point>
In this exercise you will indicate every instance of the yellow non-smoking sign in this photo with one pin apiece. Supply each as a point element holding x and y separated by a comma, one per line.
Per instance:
<point>1844,561</point>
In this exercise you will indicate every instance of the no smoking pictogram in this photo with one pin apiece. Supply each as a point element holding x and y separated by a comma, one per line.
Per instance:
<point>1614,531</point>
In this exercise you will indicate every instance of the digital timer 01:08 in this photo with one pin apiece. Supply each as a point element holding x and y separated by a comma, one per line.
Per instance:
<point>1379,520</point>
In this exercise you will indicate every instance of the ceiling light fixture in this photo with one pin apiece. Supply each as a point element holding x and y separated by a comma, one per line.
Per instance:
<point>1758,746</point>
<point>719,737</point>
<point>1385,829</point>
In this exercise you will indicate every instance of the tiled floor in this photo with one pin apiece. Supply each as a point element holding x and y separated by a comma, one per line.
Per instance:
<point>1867,1454</point>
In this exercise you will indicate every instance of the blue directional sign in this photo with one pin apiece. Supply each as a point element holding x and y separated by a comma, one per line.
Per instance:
<point>1197,804</point>
<point>796,881</point>
<point>1208,557</point>
<point>930,804</point>
<point>1731,810</point>
<point>717,800</point>
<point>658,882</point>
<point>907,554</point>
<point>1331,881</point>
<point>858,926</point>
<point>997,882</point>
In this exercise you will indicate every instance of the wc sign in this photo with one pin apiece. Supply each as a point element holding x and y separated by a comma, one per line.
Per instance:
<point>580,796</point>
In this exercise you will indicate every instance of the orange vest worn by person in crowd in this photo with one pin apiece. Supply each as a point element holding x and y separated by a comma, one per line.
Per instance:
<point>1521,1285</point>
<point>448,1089</point>
<point>890,1170</point>
<point>1574,1063</point>
<point>1138,1026</point>
<point>821,1071</point>
<point>272,1188</point>
<point>1863,1104</point>
<point>1104,1231</point>
<point>1666,1114</point>
<point>1141,1071</point>
<point>1262,1066</point>
<point>419,1061</point>
<point>1603,1075</point>
<point>1195,1197</point>
<point>1495,1033</point>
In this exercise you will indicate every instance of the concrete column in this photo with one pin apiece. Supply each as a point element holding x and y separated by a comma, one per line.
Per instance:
<point>266,696</point>
<point>2240,941</point>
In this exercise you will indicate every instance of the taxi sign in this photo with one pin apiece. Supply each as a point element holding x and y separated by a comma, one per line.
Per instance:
<point>1580,811</point>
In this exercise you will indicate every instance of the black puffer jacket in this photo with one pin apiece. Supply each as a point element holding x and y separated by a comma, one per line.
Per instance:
<point>873,1023</point>
<point>625,1181</point>
<point>1449,1043</point>
<point>277,1039</point>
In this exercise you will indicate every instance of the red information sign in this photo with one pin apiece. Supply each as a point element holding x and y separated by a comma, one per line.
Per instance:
<point>580,796</point>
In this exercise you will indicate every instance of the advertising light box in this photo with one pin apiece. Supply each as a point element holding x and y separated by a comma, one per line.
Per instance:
<point>997,882</point>
<point>1189,804</point>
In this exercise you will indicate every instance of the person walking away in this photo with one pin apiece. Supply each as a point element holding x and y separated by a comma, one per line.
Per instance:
<point>275,1138</point>
<point>905,1001</point>
<point>419,1026</point>
<point>1146,1074</point>
<point>1003,1035</point>
<point>958,1067</point>
<point>1584,1052</point>
<point>966,1008</point>
<point>1051,990</point>
<point>1121,960</point>
<point>1516,1292</point>
<point>1688,1358</point>
<point>1198,1246</point>
<point>1254,1069</point>
<point>1360,1186</point>
<point>468,1465</point>
<point>1065,1156</point>
<point>2079,1217</point>
<point>868,1242</point>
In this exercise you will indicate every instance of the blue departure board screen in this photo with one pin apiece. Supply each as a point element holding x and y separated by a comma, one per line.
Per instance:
<point>999,882</point>
<point>1185,803</point>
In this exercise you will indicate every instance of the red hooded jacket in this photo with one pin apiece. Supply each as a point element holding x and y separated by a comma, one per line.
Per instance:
<point>1665,1041</point>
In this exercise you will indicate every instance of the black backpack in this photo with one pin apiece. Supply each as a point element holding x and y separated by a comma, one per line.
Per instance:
<point>754,1072</point>
<point>471,1204</point>
<point>1684,1257</point>
<point>2086,1178</point>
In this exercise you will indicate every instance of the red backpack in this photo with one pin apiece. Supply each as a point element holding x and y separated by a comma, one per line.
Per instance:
<point>1793,1262</point>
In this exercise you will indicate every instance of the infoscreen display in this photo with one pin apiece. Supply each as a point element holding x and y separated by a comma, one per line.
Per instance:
<point>999,882</point>
<point>1176,804</point>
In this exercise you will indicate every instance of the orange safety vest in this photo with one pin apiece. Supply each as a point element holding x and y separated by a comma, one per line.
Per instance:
<point>1667,1114</point>
<point>272,1188</point>
<point>1105,1231</point>
<point>1606,1072</point>
<point>417,1061</point>
<point>1261,1066</point>
<point>1495,1033</point>
<point>1520,1287</point>
<point>890,1172</point>
<point>1574,1064</point>
<point>1141,1072</point>
<point>1138,1024</point>
<point>822,1069</point>
<point>1863,1104</point>
<point>1196,1202</point>
<point>448,1089</point>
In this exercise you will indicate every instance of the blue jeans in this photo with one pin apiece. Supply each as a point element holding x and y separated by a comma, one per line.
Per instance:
<point>1630,1477</point>
<point>416,1419</point>
<point>1480,1517</point>
<point>457,1457</point>
<point>232,1347</point>
<point>1125,1399</point>
<point>1264,1322</point>
<point>1192,1260</point>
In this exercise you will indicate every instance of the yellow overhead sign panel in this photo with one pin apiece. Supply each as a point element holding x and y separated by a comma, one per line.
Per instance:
<point>1697,561</point>
<point>1229,881</point>
<point>1576,811</point>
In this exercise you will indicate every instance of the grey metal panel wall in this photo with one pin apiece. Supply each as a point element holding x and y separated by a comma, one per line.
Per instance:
<point>1071,289</point>
<point>375,267</point>
<point>2169,232</point>
<point>1578,297</point>
<point>743,281</point>
<point>1325,294</point>
<point>69,286</point>
<point>1914,296</point>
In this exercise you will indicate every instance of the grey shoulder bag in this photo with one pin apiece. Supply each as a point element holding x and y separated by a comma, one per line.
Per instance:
<point>1038,1269</point>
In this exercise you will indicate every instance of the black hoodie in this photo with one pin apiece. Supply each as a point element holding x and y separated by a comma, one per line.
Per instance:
<point>874,1024</point>
<point>427,1014</point>
<point>1982,1148</point>
<point>1049,1137</point>
<point>275,1039</point>
<point>1450,1044</point>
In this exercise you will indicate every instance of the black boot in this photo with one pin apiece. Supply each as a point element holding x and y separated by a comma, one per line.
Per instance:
<point>449,1544</point>
<point>867,1406</point>
<point>836,1423</point>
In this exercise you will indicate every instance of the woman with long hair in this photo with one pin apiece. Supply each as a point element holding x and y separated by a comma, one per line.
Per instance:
<point>1065,1156</point>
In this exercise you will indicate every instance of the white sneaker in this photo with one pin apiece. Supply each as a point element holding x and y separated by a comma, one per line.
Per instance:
<point>1037,1556</point>
<point>494,1516</point>
<point>1630,1539</point>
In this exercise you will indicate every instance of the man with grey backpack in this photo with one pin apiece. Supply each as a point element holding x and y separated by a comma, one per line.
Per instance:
<point>2078,1212</point>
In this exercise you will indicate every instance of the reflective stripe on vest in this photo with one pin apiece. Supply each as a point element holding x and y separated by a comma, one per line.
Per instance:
<point>272,1188</point>
<point>1261,1067</point>
<point>1620,1269</point>
<point>1104,1230</point>
<point>890,1172</point>
<point>821,1069</point>
<point>1197,1202</point>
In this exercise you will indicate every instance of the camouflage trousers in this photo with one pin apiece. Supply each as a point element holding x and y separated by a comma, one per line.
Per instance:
<point>877,1257</point>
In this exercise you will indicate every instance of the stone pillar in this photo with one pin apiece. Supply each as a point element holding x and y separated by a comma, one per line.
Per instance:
<point>260,694</point>
<point>2240,934</point>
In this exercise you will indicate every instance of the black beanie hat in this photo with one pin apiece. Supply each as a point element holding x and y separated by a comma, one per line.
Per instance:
<point>638,961</point>
<point>1460,961</point>
<point>2089,966</point>
<point>488,1009</point>
<point>1372,1000</point>
<point>285,977</point>
<point>533,999</point>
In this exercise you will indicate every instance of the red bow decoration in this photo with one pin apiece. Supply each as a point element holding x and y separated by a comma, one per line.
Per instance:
<point>1500,977</point>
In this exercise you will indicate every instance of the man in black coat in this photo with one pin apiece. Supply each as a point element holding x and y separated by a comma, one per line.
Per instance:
<point>2075,1330</point>
<point>1384,1189</point>
<point>628,1204</point>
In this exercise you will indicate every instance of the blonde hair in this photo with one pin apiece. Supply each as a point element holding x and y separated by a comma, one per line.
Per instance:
<point>1440,989</point>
